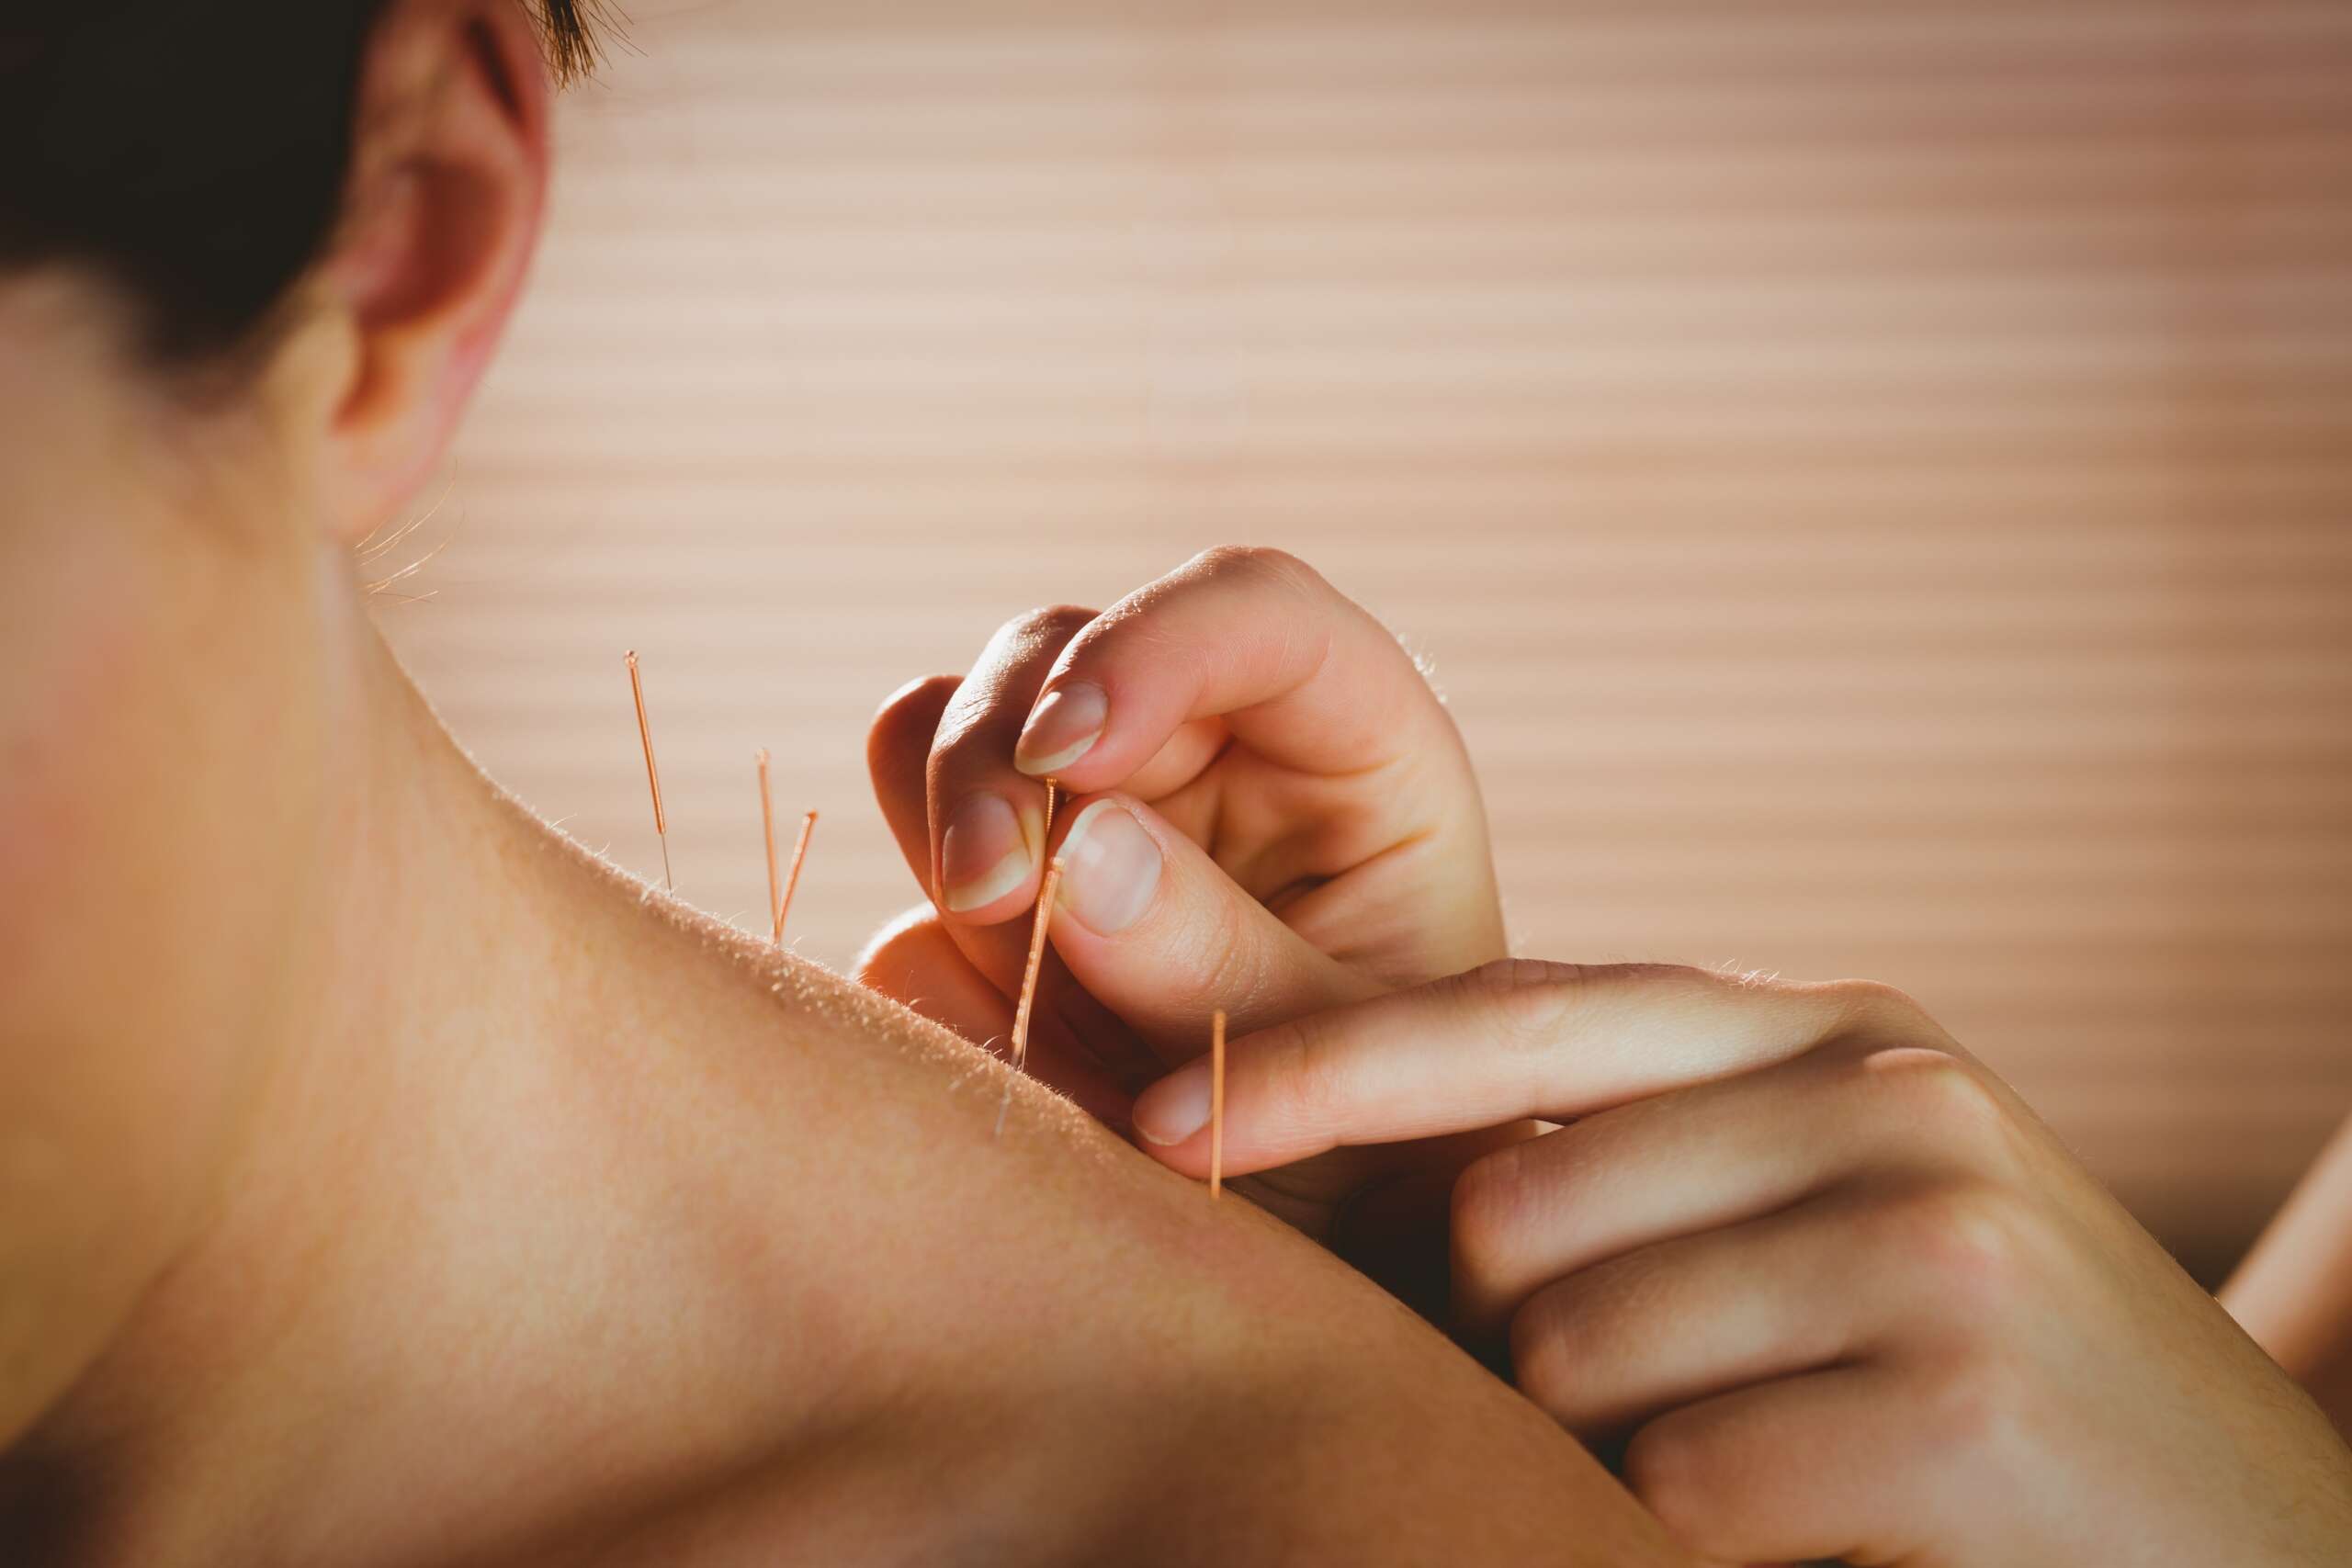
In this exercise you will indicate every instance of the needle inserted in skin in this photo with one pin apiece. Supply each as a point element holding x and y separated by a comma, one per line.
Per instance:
<point>1216,1105</point>
<point>1037,959</point>
<point>792,878</point>
<point>1029,984</point>
<point>767,829</point>
<point>652,775</point>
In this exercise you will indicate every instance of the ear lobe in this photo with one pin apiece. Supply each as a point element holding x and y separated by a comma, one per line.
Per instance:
<point>449,179</point>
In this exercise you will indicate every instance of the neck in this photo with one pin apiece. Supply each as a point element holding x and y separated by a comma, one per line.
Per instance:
<point>428,1219</point>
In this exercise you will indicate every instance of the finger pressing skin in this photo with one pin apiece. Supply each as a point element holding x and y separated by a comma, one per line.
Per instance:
<point>1302,675</point>
<point>1504,1041</point>
<point>986,820</point>
<point>1150,926</point>
<point>1702,1158</point>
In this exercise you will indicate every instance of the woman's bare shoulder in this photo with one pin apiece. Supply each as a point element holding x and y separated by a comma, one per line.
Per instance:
<point>1024,1342</point>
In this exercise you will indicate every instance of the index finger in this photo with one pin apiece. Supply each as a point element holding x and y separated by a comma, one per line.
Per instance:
<point>1508,1041</point>
<point>1302,675</point>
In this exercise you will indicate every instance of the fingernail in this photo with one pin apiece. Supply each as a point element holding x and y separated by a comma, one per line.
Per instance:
<point>1110,867</point>
<point>1176,1106</point>
<point>984,855</point>
<point>1064,727</point>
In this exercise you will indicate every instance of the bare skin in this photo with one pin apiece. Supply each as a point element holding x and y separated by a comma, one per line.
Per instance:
<point>1824,1279</point>
<point>2294,1293</point>
<point>1831,1280</point>
<point>578,1230</point>
<point>384,1181</point>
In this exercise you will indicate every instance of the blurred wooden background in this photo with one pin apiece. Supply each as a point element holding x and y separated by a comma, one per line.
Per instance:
<point>1875,479</point>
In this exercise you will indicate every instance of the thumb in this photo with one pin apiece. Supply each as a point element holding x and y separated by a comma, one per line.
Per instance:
<point>1158,933</point>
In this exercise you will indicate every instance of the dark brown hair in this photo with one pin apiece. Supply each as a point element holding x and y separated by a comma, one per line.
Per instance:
<point>193,152</point>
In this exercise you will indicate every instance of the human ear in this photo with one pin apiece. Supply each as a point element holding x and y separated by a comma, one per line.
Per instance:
<point>448,181</point>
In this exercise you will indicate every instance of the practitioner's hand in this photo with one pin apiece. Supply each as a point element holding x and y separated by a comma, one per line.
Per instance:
<point>1266,809</point>
<point>1843,1293</point>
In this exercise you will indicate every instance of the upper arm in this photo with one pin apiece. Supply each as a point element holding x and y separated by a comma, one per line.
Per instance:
<point>2294,1292</point>
<point>1025,1342</point>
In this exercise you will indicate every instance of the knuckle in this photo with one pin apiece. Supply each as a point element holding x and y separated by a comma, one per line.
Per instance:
<point>1507,976</point>
<point>1936,1092</point>
<point>960,746</point>
<point>1876,1006</point>
<point>1527,1004</point>
<point>1303,1075</point>
<point>992,701</point>
<point>1249,560</point>
<point>1523,999</point>
<point>1258,566</point>
<point>1046,620</point>
<point>970,716</point>
<point>1966,1239</point>
<point>1974,1403</point>
<point>1217,938</point>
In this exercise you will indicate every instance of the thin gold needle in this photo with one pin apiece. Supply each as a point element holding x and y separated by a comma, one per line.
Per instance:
<point>792,878</point>
<point>1037,959</point>
<point>767,829</point>
<point>652,775</point>
<point>1216,1105</point>
<point>1029,985</point>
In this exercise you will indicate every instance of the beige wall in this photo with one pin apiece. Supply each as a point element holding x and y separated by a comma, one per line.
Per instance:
<point>1875,478</point>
